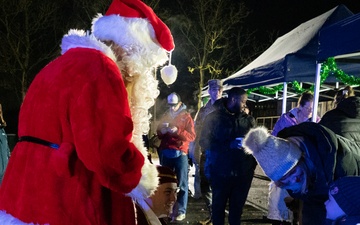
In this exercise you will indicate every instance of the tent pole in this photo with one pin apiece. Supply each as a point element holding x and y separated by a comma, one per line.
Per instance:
<point>316,92</point>
<point>283,110</point>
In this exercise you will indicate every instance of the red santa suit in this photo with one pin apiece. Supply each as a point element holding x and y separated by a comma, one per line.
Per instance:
<point>79,158</point>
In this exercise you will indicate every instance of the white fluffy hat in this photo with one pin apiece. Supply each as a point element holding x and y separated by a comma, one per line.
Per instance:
<point>276,156</point>
<point>132,24</point>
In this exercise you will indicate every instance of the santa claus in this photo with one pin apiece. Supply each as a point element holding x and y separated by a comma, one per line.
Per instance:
<point>80,157</point>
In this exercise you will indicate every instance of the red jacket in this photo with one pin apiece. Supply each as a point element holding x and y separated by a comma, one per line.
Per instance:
<point>185,134</point>
<point>79,102</point>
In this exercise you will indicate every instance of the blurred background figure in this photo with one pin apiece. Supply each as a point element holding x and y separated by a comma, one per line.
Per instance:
<point>343,205</point>
<point>157,208</point>
<point>344,119</point>
<point>297,115</point>
<point>343,94</point>
<point>176,131</point>
<point>4,147</point>
<point>201,184</point>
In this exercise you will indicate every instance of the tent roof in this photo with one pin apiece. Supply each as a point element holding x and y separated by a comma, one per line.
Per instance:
<point>292,57</point>
<point>341,39</point>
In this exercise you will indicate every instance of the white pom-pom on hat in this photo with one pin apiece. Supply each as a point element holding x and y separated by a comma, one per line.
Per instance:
<point>256,139</point>
<point>168,74</point>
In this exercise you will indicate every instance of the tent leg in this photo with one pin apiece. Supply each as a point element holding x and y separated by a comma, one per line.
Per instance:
<point>316,92</point>
<point>283,110</point>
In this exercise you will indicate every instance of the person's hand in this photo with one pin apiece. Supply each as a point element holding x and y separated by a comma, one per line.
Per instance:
<point>236,144</point>
<point>292,204</point>
<point>173,130</point>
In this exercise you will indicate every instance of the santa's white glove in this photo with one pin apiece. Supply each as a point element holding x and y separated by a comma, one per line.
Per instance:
<point>148,182</point>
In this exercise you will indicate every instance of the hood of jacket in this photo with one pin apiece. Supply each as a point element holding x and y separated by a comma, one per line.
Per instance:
<point>350,106</point>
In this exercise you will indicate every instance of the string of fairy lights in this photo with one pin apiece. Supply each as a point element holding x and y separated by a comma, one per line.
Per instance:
<point>327,68</point>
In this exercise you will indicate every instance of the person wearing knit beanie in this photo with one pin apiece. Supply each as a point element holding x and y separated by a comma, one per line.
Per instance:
<point>305,159</point>
<point>344,201</point>
<point>276,156</point>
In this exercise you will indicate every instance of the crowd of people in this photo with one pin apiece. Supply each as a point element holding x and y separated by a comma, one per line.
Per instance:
<point>303,159</point>
<point>81,158</point>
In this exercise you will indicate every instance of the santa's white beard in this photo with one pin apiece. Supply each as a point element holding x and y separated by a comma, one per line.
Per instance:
<point>138,70</point>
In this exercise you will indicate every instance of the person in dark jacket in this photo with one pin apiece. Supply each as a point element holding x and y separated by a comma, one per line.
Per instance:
<point>229,169</point>
<point>344,120</point>
<point>343,205</point>
<point>198,154</point>
<point>305,159</point>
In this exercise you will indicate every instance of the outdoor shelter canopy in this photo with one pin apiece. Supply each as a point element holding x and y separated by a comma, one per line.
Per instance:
<point>341,39</point>
<point>292,57</point>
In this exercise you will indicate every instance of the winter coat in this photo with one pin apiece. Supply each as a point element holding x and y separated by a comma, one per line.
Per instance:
<point>78,102</point>
<point>288,119</point>
<point>344,119</point>
<point>328,158</point>
<point>220,128</point>
<point>4,152</point>
<point>181,139</point>
<point>145,215</point>
<point>195,149</point>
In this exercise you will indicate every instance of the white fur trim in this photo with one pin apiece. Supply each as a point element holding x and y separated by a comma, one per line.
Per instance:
<point>148,182</point>
<point>8,219</point>
<point>126,32</point>
<point>79,39</point>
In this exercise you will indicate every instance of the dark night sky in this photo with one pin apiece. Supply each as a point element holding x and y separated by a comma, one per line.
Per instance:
<point>277,16</point>
<point>285,15</point>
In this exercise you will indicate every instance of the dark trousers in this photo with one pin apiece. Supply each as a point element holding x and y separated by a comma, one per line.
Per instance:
<point>232,189</point>
<point>205,184</point>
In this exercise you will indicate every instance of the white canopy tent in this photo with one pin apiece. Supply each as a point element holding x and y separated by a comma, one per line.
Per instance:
<point>292,57</point>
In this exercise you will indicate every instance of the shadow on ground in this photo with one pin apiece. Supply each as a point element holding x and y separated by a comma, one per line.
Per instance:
<point>196,211</point>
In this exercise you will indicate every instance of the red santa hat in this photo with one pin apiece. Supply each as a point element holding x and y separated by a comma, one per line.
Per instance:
<point>138,9</point>
<point>132,23</point>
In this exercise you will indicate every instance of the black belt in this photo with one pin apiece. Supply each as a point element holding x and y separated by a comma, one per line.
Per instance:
<point>39,141</point>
